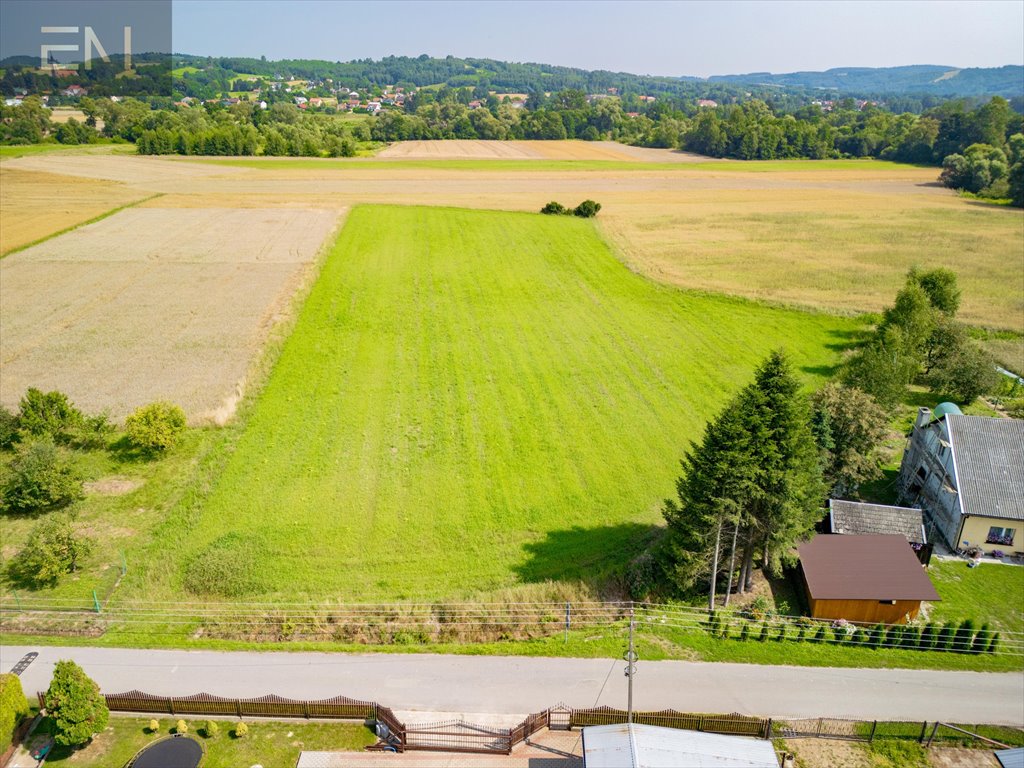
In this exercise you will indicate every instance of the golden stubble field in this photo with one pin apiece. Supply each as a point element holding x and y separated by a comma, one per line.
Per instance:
<point>153,304</point>
<point>827,236</point>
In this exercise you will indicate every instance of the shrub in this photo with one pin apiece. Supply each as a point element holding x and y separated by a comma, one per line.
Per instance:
<point>241,729</point>
<point>759,608</point>
<point>781,634</point>
<point>981,640</point>
<point>764,632</point>
<point>945,639</point>
<point>994,643</point>
<point>225,568</point>
<point>587,209</point>
<point>555,209</point>
<point>801,634</point>
<point>154,726</point>
<point>48,414</point>
<point>8,428</point>
<point>714,624</point>
<point>745,631</point>
<point>861,638</point>
<point>821,635</point>
<point>181,727</point>
<point>156,427</point>
<point>211,729</point>
<point>75,705</point>
<point>893,635</point>
<point>40,477</point>
<point>911,638</point>
<point>877,634</point>
<point>964,635</point>
<point>929,636</point>
<point>13,707</point>
<point>53,549</point>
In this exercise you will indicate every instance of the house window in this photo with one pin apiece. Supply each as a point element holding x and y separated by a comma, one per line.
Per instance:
<point>1002,536</point>
<point>922,473</point>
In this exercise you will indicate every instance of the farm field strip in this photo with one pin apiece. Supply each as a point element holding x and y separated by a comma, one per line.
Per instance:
<point>152,304</point>
<point>493,381</point>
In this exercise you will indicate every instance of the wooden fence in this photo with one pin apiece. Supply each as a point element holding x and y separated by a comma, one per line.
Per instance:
<point>735,724</point>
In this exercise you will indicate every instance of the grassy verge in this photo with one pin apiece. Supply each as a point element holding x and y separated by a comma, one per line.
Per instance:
<point>269,743</point>
<point>21,150</point>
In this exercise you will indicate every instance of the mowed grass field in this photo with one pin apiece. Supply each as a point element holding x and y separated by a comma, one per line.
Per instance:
<point>469,401</point>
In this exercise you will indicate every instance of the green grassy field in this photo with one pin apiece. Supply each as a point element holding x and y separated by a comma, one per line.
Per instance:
<point>470,401</point>
<point>991,592</point>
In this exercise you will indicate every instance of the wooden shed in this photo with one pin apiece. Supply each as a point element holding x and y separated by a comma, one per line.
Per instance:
<point>870,578</point>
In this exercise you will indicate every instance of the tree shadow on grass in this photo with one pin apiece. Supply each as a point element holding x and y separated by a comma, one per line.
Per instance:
<point>594,555</point>
<point>126,452</point>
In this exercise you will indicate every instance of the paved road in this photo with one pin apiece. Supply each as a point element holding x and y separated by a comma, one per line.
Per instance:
<point>499,684</point>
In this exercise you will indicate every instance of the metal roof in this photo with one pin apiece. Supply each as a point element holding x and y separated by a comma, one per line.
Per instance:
<point>651,746</point>
<point>989,458</point>
<point>870,567</point>
<point>855,517</point>
<point>1010,758</point>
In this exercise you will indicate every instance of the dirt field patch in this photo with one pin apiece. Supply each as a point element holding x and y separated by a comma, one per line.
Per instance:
<point>36,205</point>
<point>829,753</point>
<point>112,486</point>
<point>152,304</point>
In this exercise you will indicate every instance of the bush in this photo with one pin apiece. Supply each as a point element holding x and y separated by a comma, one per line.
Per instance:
<point>745,631</point>
<point>587,209</point>
<point>982,640</point>
<point>156,427</point>
<point>877,634</point>
<point>13,707</point>
<point>764,632</point>
<point>225,568</point>
<point>964,635</point>
<point>821,635</point>
<point>911,638</point>
<point>8,428</point>
<point>75,705</point>
<point>52,550</point>
<point>181,727</point>
<point>555,209</point>
<point>48,413</point>
<point>154,726</point>
<point>211,729</point>
<point>929,636</point>
<point>40,477</point>
<point>241,729</point>
<point>994,643</point>
<point>945,640</point>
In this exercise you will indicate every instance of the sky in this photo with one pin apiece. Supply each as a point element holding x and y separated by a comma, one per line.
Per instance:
<point>640,36</point>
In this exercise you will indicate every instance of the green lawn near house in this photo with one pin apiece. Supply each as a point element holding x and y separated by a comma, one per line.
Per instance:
<point>992,592</point>
<point>271,744</point>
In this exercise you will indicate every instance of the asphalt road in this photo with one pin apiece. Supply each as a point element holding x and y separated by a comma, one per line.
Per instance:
<point>504,685</point>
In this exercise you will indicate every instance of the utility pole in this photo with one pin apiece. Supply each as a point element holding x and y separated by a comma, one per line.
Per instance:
<point>631,659</point>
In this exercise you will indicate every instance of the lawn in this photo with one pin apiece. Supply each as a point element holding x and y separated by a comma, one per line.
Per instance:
<point>268,743</point>
<point>493,379</point>
<point>992,592</point>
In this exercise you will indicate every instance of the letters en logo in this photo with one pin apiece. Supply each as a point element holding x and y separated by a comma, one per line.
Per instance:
<point>91,42</point>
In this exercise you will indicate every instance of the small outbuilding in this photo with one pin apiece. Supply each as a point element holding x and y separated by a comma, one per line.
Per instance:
<point>629,745</point>
<point>871,578</point>
<point>857,518</point>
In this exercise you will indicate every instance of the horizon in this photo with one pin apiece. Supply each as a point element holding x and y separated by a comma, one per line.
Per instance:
<point>978,34</point>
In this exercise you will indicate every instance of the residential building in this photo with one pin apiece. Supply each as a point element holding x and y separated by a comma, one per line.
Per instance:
<point>857,518</point>
<point>967,473</point>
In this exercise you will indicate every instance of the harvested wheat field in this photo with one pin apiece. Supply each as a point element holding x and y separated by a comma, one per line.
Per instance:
<point>153,304</point>
<point>37,205</point>
<point>476,149</point>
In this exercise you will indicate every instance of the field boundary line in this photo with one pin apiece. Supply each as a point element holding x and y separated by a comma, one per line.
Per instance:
<point>73,227</point>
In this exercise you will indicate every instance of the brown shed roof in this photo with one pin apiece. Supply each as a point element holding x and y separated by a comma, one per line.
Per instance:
<point>871,567</point>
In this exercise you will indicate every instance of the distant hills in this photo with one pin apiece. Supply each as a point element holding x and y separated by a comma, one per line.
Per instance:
<point>934,79</point>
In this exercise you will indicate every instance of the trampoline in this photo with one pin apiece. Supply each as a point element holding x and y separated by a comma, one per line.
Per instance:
<point>172,752</point>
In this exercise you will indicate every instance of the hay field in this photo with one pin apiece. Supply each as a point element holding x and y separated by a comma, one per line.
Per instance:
<point>493,379</point>
<point>476,149</point>
<point>35,205</point>
<point>152,304</point>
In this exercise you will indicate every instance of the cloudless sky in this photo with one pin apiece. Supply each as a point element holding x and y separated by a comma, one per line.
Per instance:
<point>640,36</point>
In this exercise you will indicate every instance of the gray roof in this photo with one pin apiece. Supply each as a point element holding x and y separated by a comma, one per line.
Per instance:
<point>989,458</point>
<point>856,517</point>
<point>651,746</point>
<point>1011,758</point>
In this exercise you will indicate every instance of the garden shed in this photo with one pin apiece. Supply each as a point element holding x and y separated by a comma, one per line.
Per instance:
<point>870,578</point>
<point>628,745</point>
